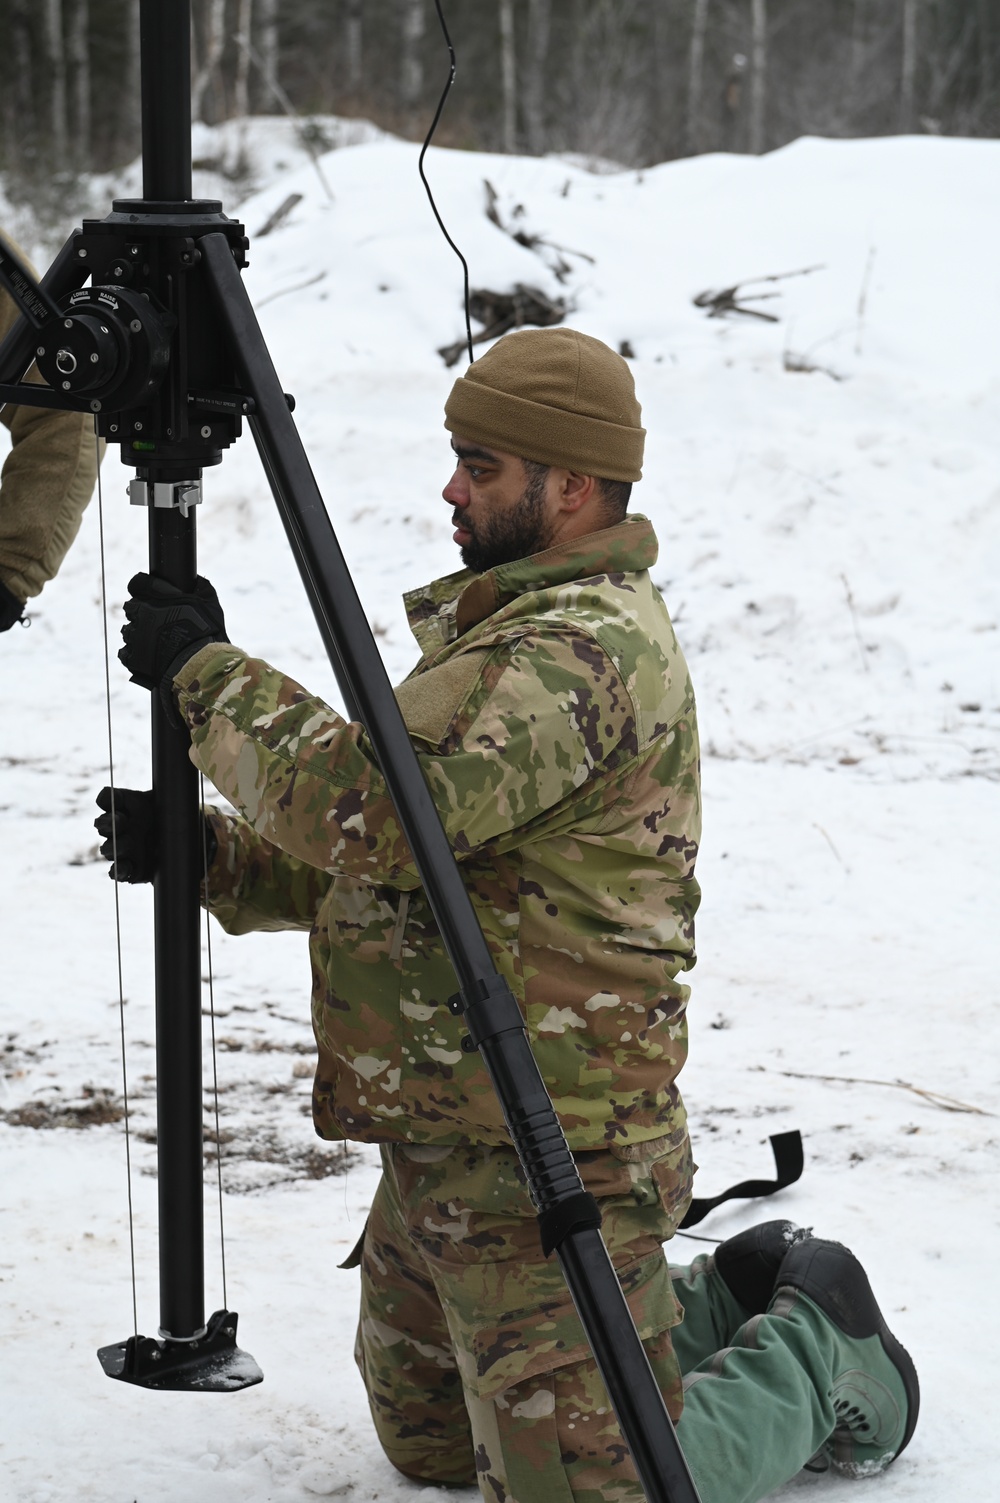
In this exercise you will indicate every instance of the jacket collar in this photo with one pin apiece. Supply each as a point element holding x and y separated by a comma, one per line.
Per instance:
<point>449,607</point>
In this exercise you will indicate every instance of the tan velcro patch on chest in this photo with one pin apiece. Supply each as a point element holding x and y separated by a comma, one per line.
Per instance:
<point>431,701</point>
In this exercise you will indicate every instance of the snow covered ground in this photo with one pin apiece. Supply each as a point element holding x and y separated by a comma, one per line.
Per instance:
<point>826,494</point>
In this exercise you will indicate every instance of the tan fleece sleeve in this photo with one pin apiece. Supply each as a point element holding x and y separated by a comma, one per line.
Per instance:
<point>45,484</point>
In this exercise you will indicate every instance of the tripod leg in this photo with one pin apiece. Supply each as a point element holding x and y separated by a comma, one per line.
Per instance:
<point>66,274</point>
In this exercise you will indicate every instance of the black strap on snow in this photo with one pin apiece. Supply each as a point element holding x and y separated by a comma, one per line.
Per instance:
<point>788,1162</point>
<point>573,1214</point>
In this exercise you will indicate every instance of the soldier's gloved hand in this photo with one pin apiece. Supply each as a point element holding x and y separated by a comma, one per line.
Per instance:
<point>11,609</point>
<point>166,627</point>
<point>129,834</point>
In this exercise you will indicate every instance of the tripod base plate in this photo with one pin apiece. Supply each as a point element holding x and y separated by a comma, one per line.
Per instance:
<point>214,1364</point>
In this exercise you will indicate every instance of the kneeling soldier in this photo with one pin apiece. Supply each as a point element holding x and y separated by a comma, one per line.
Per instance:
<point>553,715</point>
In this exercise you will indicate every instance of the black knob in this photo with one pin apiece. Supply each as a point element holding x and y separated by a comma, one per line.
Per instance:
<point>81,355</point>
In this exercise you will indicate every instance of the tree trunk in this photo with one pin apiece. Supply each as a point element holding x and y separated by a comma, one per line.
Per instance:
<point>986,58</point>
<point>758,74</point>
<point>657,127</point>
<point>908,71</point>
<point>129,121</point>
<point>508,75</point>
<point>533,82</point>
<point>354,39</point>
<point>412,71</point>
<point>856,59</point>
<point>696,75</point>
<point>267,51</point>
<point>214,41</point>
<point>55,62</point>
<point>78,56</point>
<point>19,107</point>
<point>241,86</point>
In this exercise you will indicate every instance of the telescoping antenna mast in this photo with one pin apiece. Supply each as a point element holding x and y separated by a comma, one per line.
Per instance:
<point>164,348</point>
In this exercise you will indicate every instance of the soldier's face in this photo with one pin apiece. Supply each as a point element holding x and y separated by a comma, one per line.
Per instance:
<point>500,506</point>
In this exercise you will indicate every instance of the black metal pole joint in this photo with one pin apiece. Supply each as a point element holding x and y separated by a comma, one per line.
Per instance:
<point>491,1011</point>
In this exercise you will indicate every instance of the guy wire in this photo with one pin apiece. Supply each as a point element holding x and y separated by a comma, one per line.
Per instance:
<point>423,175</point>
<point>114,855</point>
<point>211,1012</point>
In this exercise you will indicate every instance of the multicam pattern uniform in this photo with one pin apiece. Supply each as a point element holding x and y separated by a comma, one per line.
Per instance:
<point>476,1365</point>
<point>553,715</point>
<point>554,719</point>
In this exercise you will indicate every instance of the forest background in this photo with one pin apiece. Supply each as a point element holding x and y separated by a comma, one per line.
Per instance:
<point>630,82</point>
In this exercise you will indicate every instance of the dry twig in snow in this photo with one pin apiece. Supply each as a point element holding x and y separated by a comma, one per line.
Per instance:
<point>946,1103</point>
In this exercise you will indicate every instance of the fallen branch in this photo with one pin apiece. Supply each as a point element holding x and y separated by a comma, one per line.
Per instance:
<point>803,365</point>
<point>935,1098</point>
<point>280,214</point>
<point>526,238</point>
<point>733,300</point>
<point>502,311</point>
<point>282,291</point>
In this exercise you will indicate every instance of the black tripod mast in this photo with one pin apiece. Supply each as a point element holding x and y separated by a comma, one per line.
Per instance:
<point>196,364</point>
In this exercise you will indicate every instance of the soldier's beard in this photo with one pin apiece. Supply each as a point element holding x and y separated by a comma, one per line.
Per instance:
<point>504,536</point>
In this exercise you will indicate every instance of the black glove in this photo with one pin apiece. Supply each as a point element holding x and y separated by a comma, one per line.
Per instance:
<point>134,834</point>
<point>167,627</point>
<point>11,609</point>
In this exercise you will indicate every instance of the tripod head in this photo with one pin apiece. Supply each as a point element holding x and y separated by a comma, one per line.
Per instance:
<point>145,348</point>
<point>141,347</point>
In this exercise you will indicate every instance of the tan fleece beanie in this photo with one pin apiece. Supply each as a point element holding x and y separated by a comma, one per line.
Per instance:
<point>555,396</point>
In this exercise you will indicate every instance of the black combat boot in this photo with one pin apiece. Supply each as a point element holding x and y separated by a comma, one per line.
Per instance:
<point>749,1262</point>
<point>873,1383</point>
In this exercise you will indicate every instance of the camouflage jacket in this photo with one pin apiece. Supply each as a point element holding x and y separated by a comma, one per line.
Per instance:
<point>553,716</point>
<point>47,479</point>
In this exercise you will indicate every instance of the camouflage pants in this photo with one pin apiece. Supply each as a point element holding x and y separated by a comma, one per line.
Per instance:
<point>476,1365</point>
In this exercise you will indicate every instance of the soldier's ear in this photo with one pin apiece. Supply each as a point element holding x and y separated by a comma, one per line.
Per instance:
<point>575,490</point>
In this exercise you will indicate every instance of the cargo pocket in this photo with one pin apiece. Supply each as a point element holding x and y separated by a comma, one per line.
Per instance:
<point>662,1175</point>
<point>674,1176</point>
<point>533,1340</point>
<point>541,1418</point>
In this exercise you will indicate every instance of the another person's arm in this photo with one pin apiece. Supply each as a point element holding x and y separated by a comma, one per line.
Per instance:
<point>45,484</point>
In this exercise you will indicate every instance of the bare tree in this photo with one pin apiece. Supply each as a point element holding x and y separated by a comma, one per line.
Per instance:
<point>660,60</point>
<point>241,86</point>
<point>214,41</point>
<point>412,71</point>
<point>267,51</point>
<point>986,55</point>
<point>758,73</point>
<point>20,115</point>
<point>632,81</point>
<point>353,48</point>
<point>533,79</point>
<point>696,74</point>
<point>55,62</point>
<point>908,70</point>
<point>78,56</point>
<point>508,75</point>
<point>129,127</point>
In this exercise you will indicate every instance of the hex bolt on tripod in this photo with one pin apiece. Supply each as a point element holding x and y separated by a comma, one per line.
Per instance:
<point>164,349</point>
